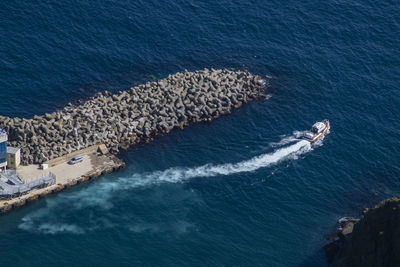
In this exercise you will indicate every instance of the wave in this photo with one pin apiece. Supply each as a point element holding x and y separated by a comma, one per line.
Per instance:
<point>285,140</point>
<point>100,195</point>
<point>253,164</point>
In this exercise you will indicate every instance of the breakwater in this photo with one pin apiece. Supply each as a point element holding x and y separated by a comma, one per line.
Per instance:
<point>132,116</point>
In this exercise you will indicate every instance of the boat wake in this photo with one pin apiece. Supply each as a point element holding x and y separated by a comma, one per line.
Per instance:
<point>101,194</point>
<point>285,140</point>
<point>251,165</point>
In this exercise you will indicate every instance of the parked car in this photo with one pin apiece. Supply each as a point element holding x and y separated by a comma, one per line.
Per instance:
<point>75,160</point>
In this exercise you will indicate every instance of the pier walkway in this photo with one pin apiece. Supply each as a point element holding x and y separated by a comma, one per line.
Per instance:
<point>94,164</point>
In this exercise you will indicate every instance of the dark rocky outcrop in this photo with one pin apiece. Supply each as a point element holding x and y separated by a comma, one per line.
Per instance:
<point>133,116</point>
<point>374,241</point>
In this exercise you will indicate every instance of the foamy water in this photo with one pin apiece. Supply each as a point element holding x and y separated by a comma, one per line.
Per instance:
<point>99,195</point>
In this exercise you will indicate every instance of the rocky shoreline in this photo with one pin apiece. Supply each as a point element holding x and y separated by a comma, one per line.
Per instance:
<point>374,240</point>
<point>133,116</point>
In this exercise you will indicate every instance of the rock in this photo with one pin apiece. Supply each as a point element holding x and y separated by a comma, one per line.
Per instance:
<point>48,116</point>
<point>372,241</point>
<point>136,115</point>
<point>102,149</point>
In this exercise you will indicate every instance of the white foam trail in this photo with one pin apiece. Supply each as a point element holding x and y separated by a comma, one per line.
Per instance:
<point>253,164</point>
<point>179,174</point>
<point>284,141</point>
<point>298,134</point>
<point>100,195</point>
<point>29,223</point>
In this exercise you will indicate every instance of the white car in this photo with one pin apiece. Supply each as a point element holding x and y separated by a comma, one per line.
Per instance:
<point>75,160</point>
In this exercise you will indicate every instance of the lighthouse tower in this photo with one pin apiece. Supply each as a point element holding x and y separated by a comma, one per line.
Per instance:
<point>3,149</point>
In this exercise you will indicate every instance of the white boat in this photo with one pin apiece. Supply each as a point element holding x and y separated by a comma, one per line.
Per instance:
<point>318,131</point>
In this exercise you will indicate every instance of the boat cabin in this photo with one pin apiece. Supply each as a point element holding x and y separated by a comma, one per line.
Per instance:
<point>318,127</point>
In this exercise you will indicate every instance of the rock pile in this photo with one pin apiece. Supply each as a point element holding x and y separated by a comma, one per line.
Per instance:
<point>132,116</point>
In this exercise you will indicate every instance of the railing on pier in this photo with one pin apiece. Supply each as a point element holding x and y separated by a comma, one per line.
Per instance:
<point>18,188</point>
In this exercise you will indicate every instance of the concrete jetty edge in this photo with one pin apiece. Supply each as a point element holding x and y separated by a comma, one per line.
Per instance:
<point>94,174</point>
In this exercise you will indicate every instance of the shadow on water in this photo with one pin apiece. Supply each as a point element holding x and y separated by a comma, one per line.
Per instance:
<point>315,260</point>
<point>372,187</point>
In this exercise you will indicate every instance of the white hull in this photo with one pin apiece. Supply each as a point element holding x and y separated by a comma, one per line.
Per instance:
<point>318,131</point>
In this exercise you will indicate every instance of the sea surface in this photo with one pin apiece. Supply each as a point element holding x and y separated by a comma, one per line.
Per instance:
<point>242,190</point>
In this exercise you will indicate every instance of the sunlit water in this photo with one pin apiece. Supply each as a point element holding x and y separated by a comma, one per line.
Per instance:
<point>242,190</point>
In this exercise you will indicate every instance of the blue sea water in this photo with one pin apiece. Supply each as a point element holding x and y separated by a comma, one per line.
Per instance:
<point>240,191</point>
